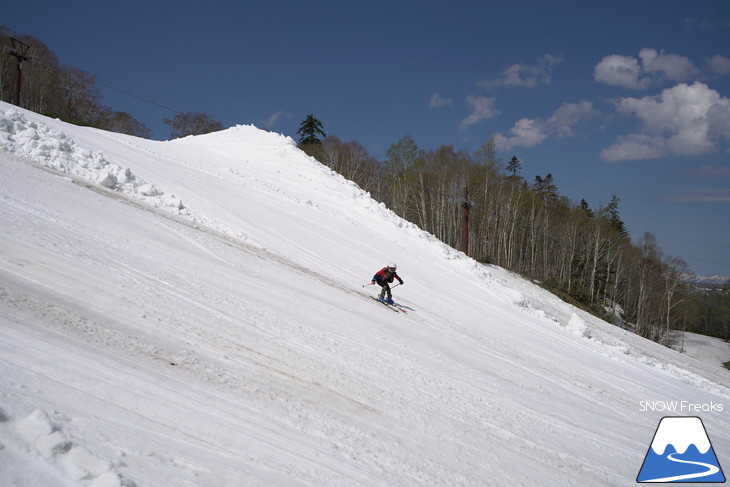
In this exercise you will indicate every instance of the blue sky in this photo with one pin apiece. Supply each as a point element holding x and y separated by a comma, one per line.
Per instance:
<point>625,98</point>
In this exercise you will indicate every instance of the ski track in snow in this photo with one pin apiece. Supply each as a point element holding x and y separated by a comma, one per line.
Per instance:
<point>254,324</point>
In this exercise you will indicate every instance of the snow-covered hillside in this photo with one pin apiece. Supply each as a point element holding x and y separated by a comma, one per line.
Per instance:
<point>716,280</point>
<point>192,313</point>
<point>711,350</point>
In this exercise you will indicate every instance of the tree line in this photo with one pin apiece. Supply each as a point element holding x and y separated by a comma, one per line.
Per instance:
<point>583,254</point>
<point>72,94</point>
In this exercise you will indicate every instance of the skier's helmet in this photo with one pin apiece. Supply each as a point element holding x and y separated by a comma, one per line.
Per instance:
<point>392,266</point>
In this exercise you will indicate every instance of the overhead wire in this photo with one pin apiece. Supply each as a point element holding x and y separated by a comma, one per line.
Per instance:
<point>128,93</point>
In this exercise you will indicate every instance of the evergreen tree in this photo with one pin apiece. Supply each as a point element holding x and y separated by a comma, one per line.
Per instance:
<point>514,166</point>
<point>309,131</point>
<point>614,219</point>
<point>545,187</point>
<point>586,208</point>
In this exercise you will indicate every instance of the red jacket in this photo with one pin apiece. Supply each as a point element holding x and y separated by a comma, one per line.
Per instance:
<point>386,276</point>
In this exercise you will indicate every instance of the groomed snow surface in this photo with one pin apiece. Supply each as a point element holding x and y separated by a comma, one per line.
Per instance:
<point>192,313</point>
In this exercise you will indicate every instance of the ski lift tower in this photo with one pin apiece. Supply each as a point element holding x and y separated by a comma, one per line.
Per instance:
<point>20,52</point>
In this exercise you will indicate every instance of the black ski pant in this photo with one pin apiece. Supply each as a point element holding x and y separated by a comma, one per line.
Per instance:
<point>386,289</point>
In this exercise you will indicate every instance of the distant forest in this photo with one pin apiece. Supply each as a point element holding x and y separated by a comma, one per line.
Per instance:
<point>583,254</point>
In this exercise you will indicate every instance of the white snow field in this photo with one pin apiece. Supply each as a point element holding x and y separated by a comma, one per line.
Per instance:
<point>192,313</point>
<point>715,351</point>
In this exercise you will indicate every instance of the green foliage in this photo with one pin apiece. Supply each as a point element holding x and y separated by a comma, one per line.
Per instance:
<point>514,166</point>
<point>577,294</point>
<point>708,311</point>
<point>310,131</point>
<point>545,187</point>
<point>614,219</point>
<point>584,206</point>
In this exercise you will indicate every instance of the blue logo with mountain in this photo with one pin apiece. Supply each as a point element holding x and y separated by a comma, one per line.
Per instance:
<point>681,452</point>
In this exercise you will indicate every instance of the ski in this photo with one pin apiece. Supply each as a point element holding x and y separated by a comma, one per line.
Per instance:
<point>396,305</point>
<point>387,305</point>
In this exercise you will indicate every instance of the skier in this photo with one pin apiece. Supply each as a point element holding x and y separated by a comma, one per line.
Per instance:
<point>383,278</point>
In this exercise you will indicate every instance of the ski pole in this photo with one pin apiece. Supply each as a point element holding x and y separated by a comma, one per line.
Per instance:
<point>370,284</point>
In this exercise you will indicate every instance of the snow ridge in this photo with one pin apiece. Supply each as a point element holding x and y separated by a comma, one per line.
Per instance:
<point>55,149</point>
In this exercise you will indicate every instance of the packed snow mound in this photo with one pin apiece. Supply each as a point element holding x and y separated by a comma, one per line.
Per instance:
<point>271,164</point>
<point>55,149</point>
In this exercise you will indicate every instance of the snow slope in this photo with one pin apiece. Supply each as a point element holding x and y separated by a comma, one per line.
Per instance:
<point>192,313</point>
<point>711,350</point>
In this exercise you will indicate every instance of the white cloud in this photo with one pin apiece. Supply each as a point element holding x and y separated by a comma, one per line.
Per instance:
<point>718,65</point>
<point>713,195</point>
<point>639,73</point>
<point>482,108</point>
<point>525,76</point>
<point>673,66</point>
<point>568,115</point>
<point>634,147</point>
<point>438,102</point>
<point>621,71</point>
<point>718,116</point>
<point>529,132</point>
<point>273,118</point>
<point>683,120</point>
